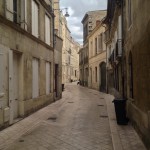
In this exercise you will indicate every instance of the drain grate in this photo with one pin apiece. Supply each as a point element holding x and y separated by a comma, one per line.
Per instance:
<point>21,140</point>
<point>100,105</point>
<point>101,98</point>
<point>103,116</point>
<point>52,118</point>
<point>70,102</point>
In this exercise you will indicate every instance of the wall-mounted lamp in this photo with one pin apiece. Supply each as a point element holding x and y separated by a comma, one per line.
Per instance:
<point>66,13</point>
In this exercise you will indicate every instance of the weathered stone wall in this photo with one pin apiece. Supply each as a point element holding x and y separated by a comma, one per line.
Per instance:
<point>137,42</point>
<point>96,62</point>
<point>58,60</point>
<point>27,47</point>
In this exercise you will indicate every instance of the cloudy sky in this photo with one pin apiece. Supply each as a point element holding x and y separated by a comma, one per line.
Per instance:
<point>77,10</point>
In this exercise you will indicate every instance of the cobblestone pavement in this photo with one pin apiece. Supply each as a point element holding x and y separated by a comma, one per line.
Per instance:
<point>82,120</point>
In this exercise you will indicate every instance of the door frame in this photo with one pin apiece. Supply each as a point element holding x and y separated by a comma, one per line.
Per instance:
<point>20,80</point>
<point>102,88</point>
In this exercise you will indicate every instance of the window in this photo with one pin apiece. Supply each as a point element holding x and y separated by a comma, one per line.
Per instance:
<point>85,31</point>
<point>95,74</point>
<point>75,73</point>
<point>12,10</point>
<point>15,11</point>
<point>69,59</point>
<point>47,30</point>
<point>24,14</point>
<point>100,41</point>
<point>109,51</point>
<point>9,10</point>
<point>91,48</point>
<point>72,71</point>
<point>95,46</point>
<point>35,78</point>
<point>2,73</point>
<point>48,69</point>
<point>35,19</point>
<point>131,75</point>
<point>129,12</point>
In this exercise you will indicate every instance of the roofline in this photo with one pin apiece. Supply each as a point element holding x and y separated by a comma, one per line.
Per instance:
<point>86,15</point>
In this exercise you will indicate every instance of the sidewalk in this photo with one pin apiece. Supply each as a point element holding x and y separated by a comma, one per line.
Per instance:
<point>123,137</point>
<point>82,120</point>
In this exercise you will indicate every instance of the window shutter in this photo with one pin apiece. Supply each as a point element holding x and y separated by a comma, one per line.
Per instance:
<point>47,78</point>
<point>35,19</point>
<point>1,72</point>
<point>9,10</point>
<point>24,14</point>
<point>47,30</point>
<point>35,78</point>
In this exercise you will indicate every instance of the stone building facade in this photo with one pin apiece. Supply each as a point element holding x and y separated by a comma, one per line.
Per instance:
<point>97,58</point>
<point>132,20</point>
<point>66,52</point>
<point>70,57</point>
<point>75,47</point>
<point>58,43</point>
<point>26,58</point>
<point>137,65</point>
<point>113,40</point>
<point>58,68</point>
<point>89,23</point>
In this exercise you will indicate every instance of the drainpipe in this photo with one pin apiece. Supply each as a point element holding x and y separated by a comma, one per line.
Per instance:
<point>54,42</point>
<point>122,63</point>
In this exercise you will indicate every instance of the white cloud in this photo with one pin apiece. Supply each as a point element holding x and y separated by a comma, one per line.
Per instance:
<point>77,10</point>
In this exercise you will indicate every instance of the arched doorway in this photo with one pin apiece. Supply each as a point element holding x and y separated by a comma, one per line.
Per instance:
<point>102,73</point>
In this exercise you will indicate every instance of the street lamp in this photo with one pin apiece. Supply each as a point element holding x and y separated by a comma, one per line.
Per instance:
<point>66,14</point>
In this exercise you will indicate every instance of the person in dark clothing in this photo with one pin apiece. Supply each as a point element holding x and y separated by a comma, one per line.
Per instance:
<point>78,83</point>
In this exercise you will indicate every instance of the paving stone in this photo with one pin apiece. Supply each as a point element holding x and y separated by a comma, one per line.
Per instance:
<point>78,125</point>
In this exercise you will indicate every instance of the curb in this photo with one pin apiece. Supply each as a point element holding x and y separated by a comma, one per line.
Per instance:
<point>117,145</point>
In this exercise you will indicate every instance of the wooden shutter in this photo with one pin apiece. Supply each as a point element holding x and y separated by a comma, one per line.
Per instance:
<point>9,9</point>
<point>47,78</point>
<point>24,14</point>
<point>1,73</point>
<point>35,19</point>
<point>35,78</point>
<point>47,30</point>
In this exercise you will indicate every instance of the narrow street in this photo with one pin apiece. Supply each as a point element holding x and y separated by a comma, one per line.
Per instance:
<point>82,120</point>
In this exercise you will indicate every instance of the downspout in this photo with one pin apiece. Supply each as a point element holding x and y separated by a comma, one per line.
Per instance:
<point>122,63</point>
<point>106,63</point>
<point>54,42</point>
